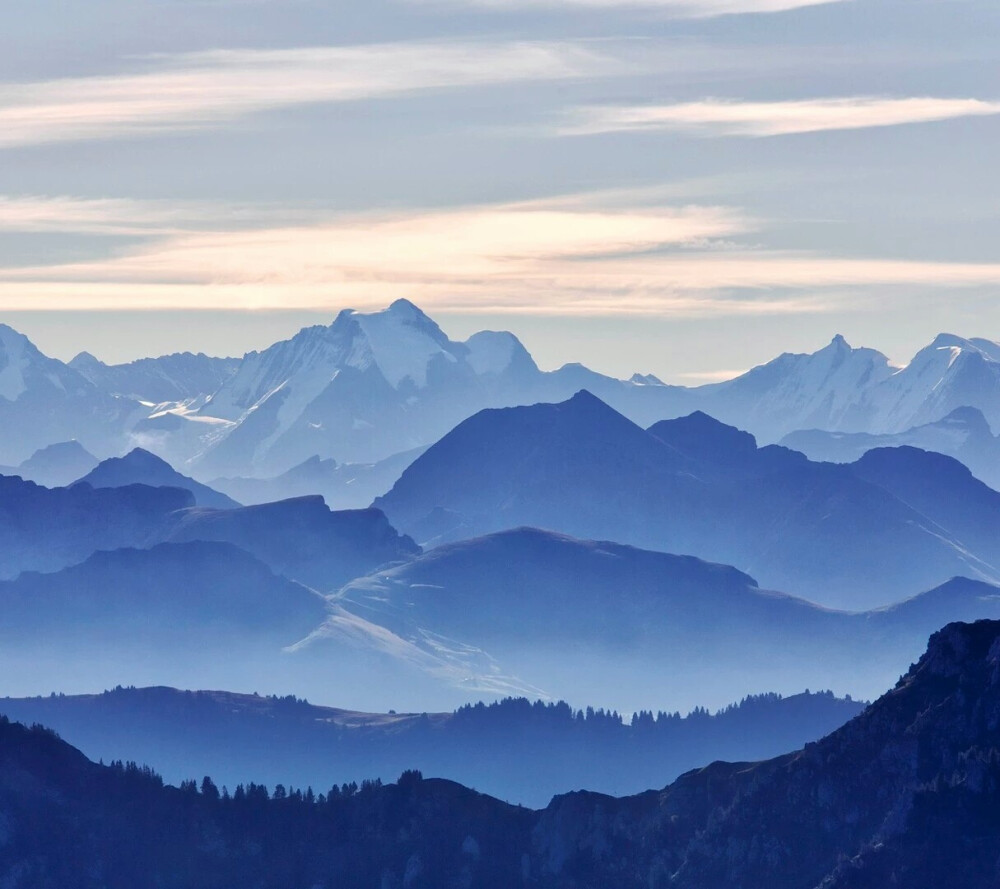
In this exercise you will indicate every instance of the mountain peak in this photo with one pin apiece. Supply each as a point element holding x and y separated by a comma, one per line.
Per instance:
<point>949,340</point>
<point>403,308</point>
<point>961,649</point>
<point>85,360</point>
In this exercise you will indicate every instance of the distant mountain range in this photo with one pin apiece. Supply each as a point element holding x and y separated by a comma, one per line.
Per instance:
<point>904,794</point>
<point>848,536</point>
<point>963,434</point>
<point>516,750</point>
<point>181,377</point>
<point>55,465</point>
<point>342,485</point>
<point>45,530</point>
<point>371,386</point>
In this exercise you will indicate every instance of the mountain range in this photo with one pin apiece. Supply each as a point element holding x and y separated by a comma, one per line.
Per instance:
<point>906,794</point>
<point>49,529</point>
<point>585,620</point>
<point>841,535</point>
<point>963,434</point>
<point>371,386</point>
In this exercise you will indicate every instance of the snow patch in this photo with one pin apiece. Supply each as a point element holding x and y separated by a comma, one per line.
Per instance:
<point>14,359</point>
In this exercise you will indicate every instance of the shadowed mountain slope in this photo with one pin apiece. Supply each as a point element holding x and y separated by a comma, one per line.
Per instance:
<point>301,538</point>
<point>140,467</point>
<point>586,620</point>
<point>686,486</point>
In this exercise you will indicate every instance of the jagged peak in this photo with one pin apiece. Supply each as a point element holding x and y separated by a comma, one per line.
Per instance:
<point>960,649</point>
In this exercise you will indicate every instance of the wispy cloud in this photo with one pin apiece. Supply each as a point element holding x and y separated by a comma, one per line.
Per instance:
<point>585,255</point>
<point>196,90</point>
<point>40,214</point>
<point>713,117</point>
<point>678,8</point>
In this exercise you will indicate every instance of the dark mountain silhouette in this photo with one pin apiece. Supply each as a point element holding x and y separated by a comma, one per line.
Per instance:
<point>171,590</point>
<point>140,467</point>
<point>942,489</point>
<point>516,750</point>
<point>44,529</point>
<point>906,793</point>
<point>301,538</point>
<point>687,486</point>
<point>598,621</point>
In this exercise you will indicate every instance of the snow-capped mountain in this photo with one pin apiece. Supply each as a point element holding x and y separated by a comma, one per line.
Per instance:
<point>816,391</point>
<point>44,401</point>
<point>373,385</point>
<point>845,389</point>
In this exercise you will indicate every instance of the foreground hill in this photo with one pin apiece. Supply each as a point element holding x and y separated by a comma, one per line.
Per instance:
<point>905,794</point>
<point>834,534</point>
<point>514,750</point>
<point>586,620</point>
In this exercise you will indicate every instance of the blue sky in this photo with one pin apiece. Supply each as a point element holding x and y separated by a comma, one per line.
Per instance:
<point>677,188</point>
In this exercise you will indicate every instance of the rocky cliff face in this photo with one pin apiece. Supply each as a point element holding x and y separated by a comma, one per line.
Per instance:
<point>909,788</point>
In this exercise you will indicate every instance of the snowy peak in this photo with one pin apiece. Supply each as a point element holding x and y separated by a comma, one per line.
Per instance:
<point>401,342</point>
<point>492,352</point>
<point>17,353</point>
<point>799,391</point>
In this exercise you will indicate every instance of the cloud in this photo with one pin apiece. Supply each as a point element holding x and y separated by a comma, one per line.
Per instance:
<point>205,89</point>
<point>582,255</point>
<point>712,117</point>
<point>39,214</point>
<point>678,8</point>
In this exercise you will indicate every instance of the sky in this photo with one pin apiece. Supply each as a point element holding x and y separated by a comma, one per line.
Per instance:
<point>678,187</point>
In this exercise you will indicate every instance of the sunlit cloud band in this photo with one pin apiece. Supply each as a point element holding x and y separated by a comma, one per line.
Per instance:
<point>569,256</point>
<point>713,117</point>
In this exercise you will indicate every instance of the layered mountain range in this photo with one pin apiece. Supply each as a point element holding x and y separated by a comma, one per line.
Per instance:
<point>855,536</point>
<point>907,793</point>
<point>371,386</point>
